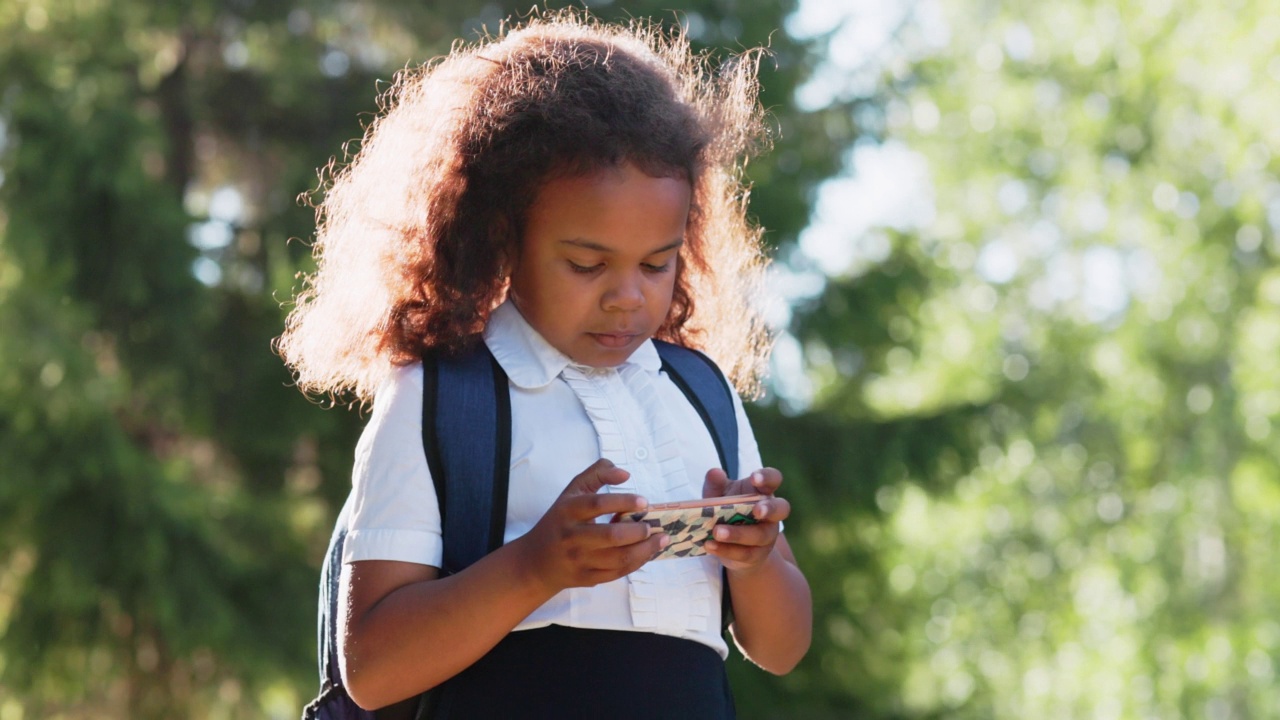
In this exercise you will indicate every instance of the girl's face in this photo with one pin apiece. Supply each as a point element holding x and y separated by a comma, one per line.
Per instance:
<point>597,262</point>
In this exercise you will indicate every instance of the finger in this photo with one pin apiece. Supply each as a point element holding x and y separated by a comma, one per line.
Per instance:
<point>650,548</point>
<point>730,552</point>
<point>740,487</point>
<point>618,562</point>
<point>772,509</point>
<point>765,481</point>
<point>633,556</point>
<point>602,472</point>
<point>587,507</point>
<point>749,535</point>
<point>715,484</point>
<point>614,534</point>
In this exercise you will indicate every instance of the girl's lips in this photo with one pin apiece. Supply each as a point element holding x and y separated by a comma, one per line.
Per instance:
<point>613,340</point>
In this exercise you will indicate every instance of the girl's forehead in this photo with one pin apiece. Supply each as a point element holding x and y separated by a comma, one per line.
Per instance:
<point>616,209</point>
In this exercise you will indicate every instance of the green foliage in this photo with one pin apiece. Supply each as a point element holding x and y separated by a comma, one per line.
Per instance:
<point>1093,288</point>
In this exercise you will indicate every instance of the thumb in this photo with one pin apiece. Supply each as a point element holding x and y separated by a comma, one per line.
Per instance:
<point>588,482</point>
<point>715,484</point>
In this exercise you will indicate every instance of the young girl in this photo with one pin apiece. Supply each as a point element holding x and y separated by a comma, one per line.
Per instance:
<point>562,193</point>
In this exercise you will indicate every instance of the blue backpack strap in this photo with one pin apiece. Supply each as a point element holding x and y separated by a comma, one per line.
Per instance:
<point>466,436</point>
<point>333,703</point>
<point>707,390</point>
<point>327,629</point>
<point>466,433</point>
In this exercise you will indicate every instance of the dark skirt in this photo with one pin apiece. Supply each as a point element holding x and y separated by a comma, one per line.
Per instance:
<point>563,672</point>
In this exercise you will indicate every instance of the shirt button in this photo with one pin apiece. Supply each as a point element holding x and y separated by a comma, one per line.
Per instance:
<point>641,453</point>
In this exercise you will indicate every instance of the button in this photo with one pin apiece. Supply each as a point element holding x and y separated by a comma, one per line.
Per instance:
<point>641,453</point>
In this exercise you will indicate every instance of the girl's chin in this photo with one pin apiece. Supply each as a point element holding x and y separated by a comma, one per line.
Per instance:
<point>606,350</point>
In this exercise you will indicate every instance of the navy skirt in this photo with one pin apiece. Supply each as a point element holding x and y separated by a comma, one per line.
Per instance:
<point>563,672</point>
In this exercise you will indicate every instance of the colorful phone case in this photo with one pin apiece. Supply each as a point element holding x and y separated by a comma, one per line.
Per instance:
<point>690,528</point>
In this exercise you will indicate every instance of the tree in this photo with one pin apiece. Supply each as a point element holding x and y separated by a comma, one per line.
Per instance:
<point>1074,337</point>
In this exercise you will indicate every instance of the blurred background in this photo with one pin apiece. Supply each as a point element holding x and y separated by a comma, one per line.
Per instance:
<point>1023,393</point>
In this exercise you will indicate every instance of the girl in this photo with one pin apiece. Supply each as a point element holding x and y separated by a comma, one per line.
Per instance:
<point>562,193</point>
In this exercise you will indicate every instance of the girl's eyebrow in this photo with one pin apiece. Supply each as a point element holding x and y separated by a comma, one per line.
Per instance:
<point>599,247</point>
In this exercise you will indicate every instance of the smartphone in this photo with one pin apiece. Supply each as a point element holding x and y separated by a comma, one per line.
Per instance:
<point>690,522</point>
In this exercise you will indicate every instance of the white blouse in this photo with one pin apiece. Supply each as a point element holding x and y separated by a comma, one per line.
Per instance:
<point>564,417</point>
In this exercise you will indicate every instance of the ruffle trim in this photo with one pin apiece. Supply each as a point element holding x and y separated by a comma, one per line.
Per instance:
<point>671,596</point>
<point>587,384</point>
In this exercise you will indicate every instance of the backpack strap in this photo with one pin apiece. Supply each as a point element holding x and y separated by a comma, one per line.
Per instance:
<point>333,700</point>
<point>466,434</point>
<point>708,391</point>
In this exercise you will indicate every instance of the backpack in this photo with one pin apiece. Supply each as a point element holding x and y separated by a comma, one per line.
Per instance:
<point>468,449</point>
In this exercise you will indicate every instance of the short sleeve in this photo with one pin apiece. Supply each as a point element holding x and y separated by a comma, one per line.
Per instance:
<point>395,513</point>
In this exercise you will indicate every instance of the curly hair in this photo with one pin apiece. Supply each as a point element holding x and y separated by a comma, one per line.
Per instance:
<point>415,235</point>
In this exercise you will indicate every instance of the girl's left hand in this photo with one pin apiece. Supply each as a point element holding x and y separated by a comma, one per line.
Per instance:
<point>746,547</point>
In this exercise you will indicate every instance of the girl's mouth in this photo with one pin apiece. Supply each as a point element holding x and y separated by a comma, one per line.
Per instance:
<point>613,340</point>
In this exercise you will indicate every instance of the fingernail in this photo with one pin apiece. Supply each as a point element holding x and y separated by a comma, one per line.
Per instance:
<point>757,478</point>
<point>641,503</point>
<point>722,533</point>
<point>664,541</point>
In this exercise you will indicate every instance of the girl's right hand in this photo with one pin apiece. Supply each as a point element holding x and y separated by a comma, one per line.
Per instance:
<point>568,548</point>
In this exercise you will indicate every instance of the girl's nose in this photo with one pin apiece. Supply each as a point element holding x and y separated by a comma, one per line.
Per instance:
<point>626,294</point>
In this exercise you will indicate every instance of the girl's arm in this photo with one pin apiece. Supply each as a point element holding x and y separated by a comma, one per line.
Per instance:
<point>772,611</point>
<point>405,630</point>
<point>772,607</point>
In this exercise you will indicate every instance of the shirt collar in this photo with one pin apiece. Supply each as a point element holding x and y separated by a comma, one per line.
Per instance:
<point>530,361</point>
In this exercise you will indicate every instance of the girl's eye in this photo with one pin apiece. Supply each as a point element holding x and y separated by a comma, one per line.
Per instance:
<point>583,269</point>
<point>649,267</point>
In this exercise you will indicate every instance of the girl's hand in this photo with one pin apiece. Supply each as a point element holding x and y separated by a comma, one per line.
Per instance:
<point>568,548</point>
<point>746,547</point>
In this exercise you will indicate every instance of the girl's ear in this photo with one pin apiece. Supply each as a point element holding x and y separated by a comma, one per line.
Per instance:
<point>508,248</point>
<point>508,259</point>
